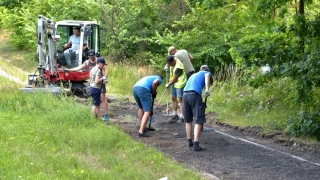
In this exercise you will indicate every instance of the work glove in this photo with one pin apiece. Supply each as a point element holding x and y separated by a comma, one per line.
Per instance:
<point>166,67</point>
<point>154,95</point>
<point>207,93</point>
<point>167,85</point>
<point>104,80</point>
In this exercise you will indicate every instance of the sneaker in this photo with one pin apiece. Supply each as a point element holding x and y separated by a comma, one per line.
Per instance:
<point>181,120</point>
<point>173,119</point>
<point>105,118</point>
<point>145,130</point>
<point>198,148</point>
<point>190,144</point>
<point>143,135</point>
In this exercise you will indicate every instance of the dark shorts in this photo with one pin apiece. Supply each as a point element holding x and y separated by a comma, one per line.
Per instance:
<point>193,107</point>
<point>95,94</point>
<point>103,88</point>
<point>142,97</point>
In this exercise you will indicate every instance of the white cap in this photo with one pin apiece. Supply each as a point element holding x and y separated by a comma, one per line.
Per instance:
<point>204,68</point>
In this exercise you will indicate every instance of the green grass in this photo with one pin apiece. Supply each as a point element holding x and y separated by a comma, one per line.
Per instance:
<point>122,77</point>
<point>267,106</point>
<point>53,137</point>
<point>25,60</point>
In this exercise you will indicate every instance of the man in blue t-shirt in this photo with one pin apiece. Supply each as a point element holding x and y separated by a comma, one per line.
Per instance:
<point>194,107</point>
<point>143,91</point>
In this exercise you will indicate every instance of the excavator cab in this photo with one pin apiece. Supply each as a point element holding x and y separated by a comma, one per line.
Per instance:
<point>89,39</point>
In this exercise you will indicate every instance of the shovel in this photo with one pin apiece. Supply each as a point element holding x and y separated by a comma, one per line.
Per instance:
<point>204,106</point>
<point>150,118</point>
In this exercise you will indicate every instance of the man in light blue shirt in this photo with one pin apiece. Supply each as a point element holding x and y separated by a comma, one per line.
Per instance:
<point>74,42</point>
<point>143,91</point>
<point>194,108</point>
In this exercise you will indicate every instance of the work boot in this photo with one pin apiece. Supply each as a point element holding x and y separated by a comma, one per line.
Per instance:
<point>173,119</point>
<point>190,143</point>
<point>143,135</point>
<point>198,148</point>
<point>181,120</point>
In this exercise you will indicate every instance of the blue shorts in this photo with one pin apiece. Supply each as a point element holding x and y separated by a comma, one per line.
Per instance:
<point>176,92</point>
<point>142,97</point>
<point>193,107</point>
<point>95,94</point>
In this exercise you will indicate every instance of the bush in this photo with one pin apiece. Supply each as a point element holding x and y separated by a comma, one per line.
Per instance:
<point>306,124</point>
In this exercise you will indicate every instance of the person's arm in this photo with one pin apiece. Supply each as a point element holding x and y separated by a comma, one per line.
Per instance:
<point>155,85</point>
<point>84,65</point>
<point>67,45</point>
<point>86,44</point>
<point>190,56</point>
<point>98,78</point>
<point>177,73</point>
<point>207,84</point>
<point>207,80</point>
<point>105,70</point>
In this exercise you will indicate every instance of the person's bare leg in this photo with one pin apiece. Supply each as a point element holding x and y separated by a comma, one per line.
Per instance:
<point>144,121</point>
<point>181,106</point>
<point>98,112</point>
<point>140,114</point>
<point>104,103</point>
<point>174,104</point>
<point>188,130</point>
<point>197,131</point>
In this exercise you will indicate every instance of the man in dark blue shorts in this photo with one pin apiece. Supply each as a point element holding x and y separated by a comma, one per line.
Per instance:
<point>143,91</point>
<point>194,107</point>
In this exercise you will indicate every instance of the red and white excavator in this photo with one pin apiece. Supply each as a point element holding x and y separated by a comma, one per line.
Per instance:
<point>51,36</point>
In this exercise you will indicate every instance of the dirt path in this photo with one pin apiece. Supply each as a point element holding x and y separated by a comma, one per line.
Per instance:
<point>231,153</point>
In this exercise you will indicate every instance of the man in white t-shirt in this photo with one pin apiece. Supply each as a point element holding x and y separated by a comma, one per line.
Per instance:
<point>73,45</point>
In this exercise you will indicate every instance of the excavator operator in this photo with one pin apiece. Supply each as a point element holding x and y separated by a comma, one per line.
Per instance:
<point>73,45</point>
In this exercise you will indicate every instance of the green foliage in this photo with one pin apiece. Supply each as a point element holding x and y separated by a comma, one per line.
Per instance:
<point>21,21</point>
<point>11,3</point>
<point>128,27</point>
<point>306,124</point>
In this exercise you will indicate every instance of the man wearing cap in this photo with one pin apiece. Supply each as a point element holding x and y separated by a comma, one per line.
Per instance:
<point>194,107</point>
<point>178,80</point>
<point>96,83</point>
<point>73,45</point>
<point>88,65</point>
<point>144,91</point>
<point>184,57</point>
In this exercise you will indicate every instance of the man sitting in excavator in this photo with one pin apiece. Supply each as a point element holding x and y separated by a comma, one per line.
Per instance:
<point>73,45</point>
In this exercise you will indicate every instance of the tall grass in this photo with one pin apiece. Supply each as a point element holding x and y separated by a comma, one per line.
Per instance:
<point>239,104</point>
<point>53,137</point>
<point>123,76</point>
<point>25,60</point>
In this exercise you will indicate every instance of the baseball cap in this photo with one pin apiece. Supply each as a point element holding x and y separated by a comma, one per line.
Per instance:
<point>170,59</point>
<point>91,53</point>
<point>101,60</point>
<point>170,49</point>
<point>204,68</point>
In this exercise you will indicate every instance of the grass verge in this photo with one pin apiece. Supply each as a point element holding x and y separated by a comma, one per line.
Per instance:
<point>53,137</point>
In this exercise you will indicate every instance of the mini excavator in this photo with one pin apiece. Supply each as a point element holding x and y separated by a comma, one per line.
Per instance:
<point>51,36</point>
